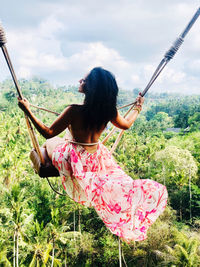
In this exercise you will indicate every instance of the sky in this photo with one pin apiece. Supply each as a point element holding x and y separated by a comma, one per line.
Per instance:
<point>63,40</point>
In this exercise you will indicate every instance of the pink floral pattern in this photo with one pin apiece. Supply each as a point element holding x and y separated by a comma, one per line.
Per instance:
<point>127,207</point>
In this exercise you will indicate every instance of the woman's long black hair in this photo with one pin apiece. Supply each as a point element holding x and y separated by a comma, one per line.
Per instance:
<point>100,101</point>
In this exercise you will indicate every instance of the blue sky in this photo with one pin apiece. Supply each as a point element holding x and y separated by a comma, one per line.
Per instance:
<point>62,40</point>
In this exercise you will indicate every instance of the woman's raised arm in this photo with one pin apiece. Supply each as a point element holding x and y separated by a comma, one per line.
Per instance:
<point>125,123</point>
<point>59,125</point>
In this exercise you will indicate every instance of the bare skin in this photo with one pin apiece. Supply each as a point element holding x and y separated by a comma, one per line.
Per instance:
<point>72,118</point>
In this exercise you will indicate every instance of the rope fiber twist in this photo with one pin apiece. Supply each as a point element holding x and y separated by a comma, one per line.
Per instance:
<point>2,36</point>
<point>172,51</point>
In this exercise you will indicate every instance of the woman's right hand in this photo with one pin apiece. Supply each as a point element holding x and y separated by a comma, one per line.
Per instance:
<point>24,104</point>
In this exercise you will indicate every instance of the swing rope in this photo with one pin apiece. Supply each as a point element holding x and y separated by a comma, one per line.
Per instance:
<point>56,191</point>
<point>28,123</point>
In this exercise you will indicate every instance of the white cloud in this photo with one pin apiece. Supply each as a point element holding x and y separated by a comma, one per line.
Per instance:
<point>24,72</point>
<point>37,49</point>
<point>49,26</point>
<point>129,38</point>
<point>194,66</point>
<point>135,79</point>
<point>97,54</point>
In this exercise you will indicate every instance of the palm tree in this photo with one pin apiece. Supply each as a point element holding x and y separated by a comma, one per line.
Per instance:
<point>20,217</point>
<point>180,165</point>
<point>184,253</point>
<point>4,261</point>
<point>39,247</point>
<point>42,256</point>
<point>56,229</point>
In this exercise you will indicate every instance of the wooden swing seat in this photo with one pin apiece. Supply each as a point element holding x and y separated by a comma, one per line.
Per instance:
<point>43,170</point>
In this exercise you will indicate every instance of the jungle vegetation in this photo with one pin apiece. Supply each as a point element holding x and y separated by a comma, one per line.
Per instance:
<point>40,228</point>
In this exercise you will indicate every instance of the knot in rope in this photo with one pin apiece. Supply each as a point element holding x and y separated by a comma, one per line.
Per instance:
<point>173,49</point>
<point>2,36</point>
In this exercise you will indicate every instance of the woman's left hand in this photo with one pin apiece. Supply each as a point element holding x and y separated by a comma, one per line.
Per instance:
<point>139,100</point>
<point>24,104</point>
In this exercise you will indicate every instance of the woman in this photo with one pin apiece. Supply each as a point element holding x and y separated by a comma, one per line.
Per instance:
<point>89,173</point>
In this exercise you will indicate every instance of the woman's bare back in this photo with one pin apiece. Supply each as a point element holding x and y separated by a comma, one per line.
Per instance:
<point>79,133</point>
<point>77,127</point>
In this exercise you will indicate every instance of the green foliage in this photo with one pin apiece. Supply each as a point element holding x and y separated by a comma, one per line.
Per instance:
<point>176,163</point>
<point>50,229</point>
<point>183,193</point>
<point>194,121</point>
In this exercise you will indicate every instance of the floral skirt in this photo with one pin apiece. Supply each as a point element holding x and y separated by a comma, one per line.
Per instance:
<point>127,207</point>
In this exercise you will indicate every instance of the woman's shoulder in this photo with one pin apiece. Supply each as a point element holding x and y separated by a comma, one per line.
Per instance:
<point>76,107</point>
<point>75,110</point>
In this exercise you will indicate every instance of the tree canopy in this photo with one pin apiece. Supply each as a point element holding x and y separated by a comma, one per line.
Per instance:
<point>39,228</point>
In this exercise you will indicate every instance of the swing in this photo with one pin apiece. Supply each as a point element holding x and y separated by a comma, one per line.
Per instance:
<point>41,162</point>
